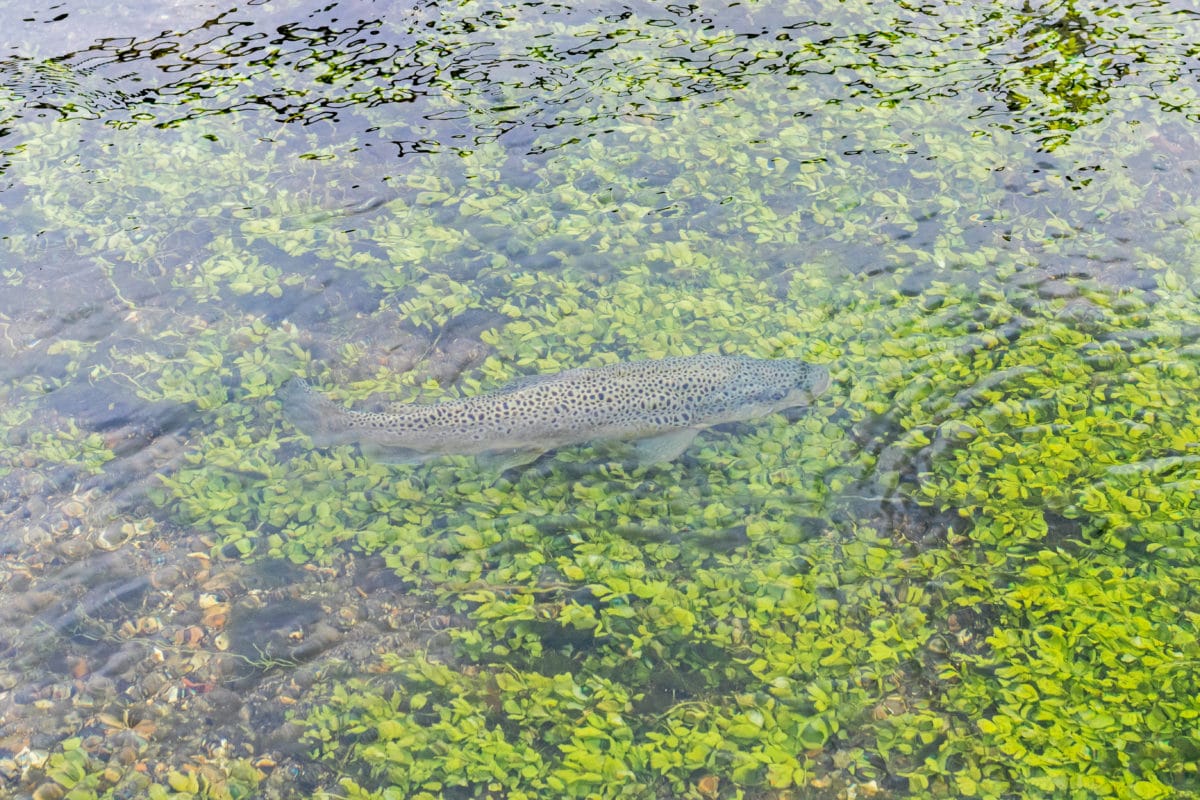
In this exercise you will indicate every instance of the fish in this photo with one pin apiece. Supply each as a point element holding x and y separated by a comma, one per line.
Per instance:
<point>658,404</point>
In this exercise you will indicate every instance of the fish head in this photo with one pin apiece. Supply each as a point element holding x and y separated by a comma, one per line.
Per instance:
<point>766,387</point>
<point>809,382</point>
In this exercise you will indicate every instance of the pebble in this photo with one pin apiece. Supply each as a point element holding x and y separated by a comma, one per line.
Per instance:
<point>152,684</point>
<point>74,509</point>
<point>126,756</point>
<point>36,536</point>
<point>114,535</point>
<point>48,791</point>
<point>74,548</point>
<point>35,506</point>
<point>221,699</point>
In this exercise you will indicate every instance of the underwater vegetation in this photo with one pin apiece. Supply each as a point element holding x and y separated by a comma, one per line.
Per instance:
<point>968,569</point>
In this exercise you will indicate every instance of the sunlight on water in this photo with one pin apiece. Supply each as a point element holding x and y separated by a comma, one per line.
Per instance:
<point>966,570</point>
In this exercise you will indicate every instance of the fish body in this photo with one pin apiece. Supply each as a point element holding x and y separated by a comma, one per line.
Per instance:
<point>662,403</point>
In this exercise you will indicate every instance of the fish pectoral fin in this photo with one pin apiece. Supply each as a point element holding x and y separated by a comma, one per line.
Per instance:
<point>664,447</point>
<point>313,414</point>
<point>503,460</point>
<point>385,454</point>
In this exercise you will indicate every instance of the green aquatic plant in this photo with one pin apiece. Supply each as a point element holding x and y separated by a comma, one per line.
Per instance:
<point>72,770</point>
<point>72,773</point>
<point>64,445</point>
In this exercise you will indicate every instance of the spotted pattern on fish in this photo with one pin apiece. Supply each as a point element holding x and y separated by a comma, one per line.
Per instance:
<point>630,400</point>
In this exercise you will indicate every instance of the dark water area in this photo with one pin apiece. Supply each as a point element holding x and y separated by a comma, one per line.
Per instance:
<point>966,570</point>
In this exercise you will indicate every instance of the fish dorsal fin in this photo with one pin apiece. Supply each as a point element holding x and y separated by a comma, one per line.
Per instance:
<point>664,447</point>
<point>525,381</point>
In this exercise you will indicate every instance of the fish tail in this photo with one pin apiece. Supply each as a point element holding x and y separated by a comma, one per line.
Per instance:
<point>313,414</point>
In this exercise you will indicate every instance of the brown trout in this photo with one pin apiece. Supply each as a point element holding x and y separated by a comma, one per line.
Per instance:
<point>661,404</point>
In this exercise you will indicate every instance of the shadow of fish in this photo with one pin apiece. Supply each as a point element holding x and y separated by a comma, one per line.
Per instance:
<point>661,404</point>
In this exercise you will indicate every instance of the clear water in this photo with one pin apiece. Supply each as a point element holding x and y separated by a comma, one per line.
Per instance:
<point>967,570</point>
